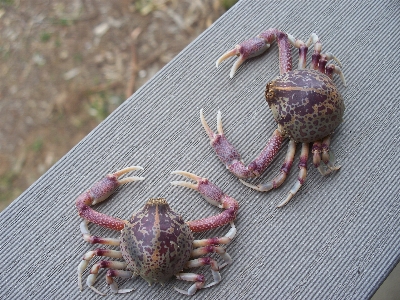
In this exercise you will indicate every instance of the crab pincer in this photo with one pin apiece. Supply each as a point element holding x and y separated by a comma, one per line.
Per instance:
<point>215,196</point>
<point>258,45</point>
<point>100,191</point>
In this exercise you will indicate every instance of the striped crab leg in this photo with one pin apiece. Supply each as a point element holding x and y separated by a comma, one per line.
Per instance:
<point>215,196</point>
<point>198,278</point>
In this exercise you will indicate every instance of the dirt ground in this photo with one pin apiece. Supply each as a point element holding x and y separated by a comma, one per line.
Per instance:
<point>65,67</point>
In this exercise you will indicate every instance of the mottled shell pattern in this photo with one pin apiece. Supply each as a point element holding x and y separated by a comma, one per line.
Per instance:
<point>156,242</point>
<point>306,104</point>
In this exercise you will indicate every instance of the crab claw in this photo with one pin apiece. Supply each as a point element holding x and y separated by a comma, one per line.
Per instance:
<point>208,190</point>
<point>244,50</point>
<point>185,183</point>
<point>100,191</point>
<point>215,196</point>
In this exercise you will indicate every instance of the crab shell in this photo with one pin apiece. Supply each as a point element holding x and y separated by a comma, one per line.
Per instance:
<point>306,104</point>
<point>156,243</point>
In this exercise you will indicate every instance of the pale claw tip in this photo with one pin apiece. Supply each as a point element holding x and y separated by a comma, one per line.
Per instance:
<point>226,55</point>
<point>185,184</point>
<point>97,291</point>
<point>135,168</point>
<point>130,179</point>
<point>127,169</point>
<point>187,174</point>
<point>286,201</point>
<point>254,187</point>
<point>210,284</point>
<point>181,291</point>
<point>80,283</point>
<point>219,123</point>
<point>236,66</point>
<point>123,291</point>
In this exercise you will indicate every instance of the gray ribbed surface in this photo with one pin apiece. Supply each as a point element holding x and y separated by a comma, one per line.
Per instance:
<point>338,238</point>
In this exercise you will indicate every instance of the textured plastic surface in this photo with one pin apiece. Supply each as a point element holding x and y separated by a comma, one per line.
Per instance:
<point>338,238</point>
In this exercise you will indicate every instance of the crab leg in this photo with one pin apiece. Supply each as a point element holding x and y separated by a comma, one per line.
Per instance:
<point>100,191</point>
<point>217,240</point>
<point>303,48</point>
<point>89,255</point>
<point>326,157</point>
<point>319,61</point>
<point>111,265</point>
<point>231,157</point>
<point>117,273</point>
<point>331,68</point>
<point>316,151</point>
<point>278,180</point>
<point>215,196</point>
<point>87,237</point>
<point>213,249</point>
<point>255,46</point>
<point>302,174</point>
<point>200,280</point>
<point>317,50</point>
<point>208,246</point>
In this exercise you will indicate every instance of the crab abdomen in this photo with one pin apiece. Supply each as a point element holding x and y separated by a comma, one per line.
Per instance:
<point>306,104</point>
<point>156,243</point>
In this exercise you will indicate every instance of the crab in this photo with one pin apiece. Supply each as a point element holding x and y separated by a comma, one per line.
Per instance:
<point>156,243</point>
<point>305,103</point>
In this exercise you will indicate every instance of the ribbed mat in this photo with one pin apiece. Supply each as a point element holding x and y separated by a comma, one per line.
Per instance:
<point>337,239</point>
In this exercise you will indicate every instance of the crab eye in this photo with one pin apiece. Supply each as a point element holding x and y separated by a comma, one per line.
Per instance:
<point>269,93</point>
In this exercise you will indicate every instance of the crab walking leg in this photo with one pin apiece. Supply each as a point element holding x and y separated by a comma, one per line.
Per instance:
<point>231,157</point>
<point>317,50</point>
<point>203,261</point>
<point>200,280</point>
<point>87,237</point>
<point>113,285</point>
<point>217,240</point>
<point>303,49</point>
<point>89,255</point>
<point>302,174</point>
<point>331,69</point>
<point>316,151</point>
<point>278,180</point>
<point>213,249</point>
<point>115,265</point>
<point>208,246</point>
<point>213,195</point>
<point>319,62</point>
<point>326,157</point>
<point>256,46</point>
<point>100,191</point>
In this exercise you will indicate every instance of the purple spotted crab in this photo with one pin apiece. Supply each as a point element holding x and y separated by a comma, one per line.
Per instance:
<point>305,103</point>
<point>156,243</point>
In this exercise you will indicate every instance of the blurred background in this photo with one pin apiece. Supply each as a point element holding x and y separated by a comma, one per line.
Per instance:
<point>66,65</point>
